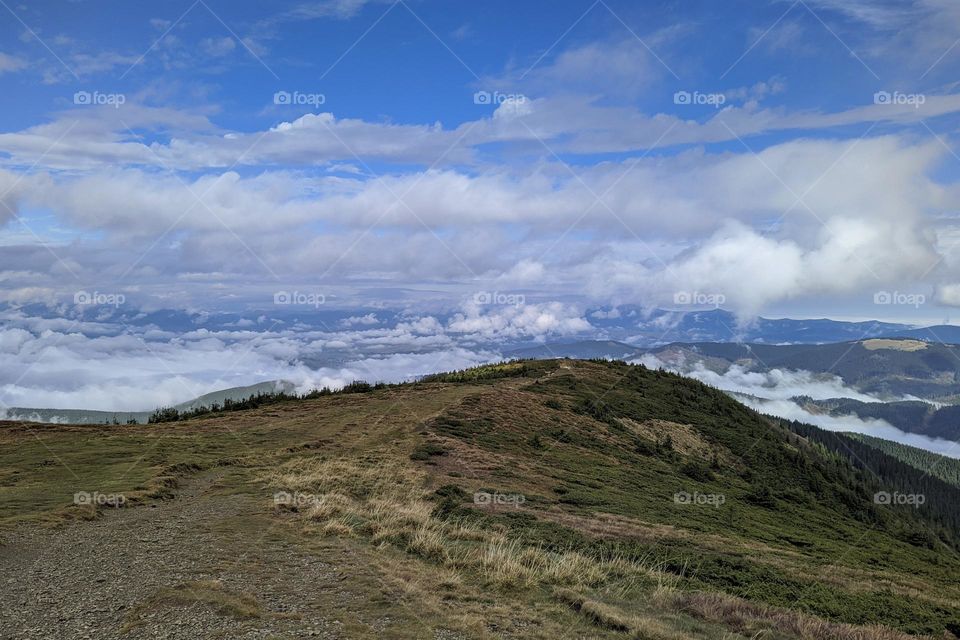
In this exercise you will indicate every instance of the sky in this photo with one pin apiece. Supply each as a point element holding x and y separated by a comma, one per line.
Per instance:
<point>476,171</point>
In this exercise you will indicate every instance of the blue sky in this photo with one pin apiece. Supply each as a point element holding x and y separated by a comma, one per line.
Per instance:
<point>778,158</point>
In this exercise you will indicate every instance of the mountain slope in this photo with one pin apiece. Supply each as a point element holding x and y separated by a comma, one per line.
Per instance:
<point>947,469</point>
<point>528,499</point>
<point>661,326</point>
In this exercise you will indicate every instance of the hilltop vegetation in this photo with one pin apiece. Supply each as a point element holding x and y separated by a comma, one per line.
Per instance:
<point>540,498</point>
<point>254,401</point>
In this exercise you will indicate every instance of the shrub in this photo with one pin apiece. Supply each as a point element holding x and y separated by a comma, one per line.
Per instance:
<point>426,451</point>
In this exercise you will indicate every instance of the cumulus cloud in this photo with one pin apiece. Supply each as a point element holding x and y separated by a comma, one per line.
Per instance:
<point>949,294</point>
<point>503,320</point>
<point>757,229</point>
<point>364,320</point>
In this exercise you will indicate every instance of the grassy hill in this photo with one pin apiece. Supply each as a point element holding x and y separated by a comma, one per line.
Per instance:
<point>533,499</point>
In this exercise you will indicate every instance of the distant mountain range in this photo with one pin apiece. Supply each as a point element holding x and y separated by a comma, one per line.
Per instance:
<point>632,328</point>
<point>885,368</point>
<point>630,324</point>
<point>716,325</point>
<point>582,350</point>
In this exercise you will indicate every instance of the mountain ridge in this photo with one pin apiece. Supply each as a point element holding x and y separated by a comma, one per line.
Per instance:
<point>607,499</point>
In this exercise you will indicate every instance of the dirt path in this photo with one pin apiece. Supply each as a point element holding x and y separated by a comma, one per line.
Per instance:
<point>90,579</point>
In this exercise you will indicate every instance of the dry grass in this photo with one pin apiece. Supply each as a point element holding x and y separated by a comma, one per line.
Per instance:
<point>612,618</point>
<point>754,618</point>
<point>384,500</point>
<point>600,614</point>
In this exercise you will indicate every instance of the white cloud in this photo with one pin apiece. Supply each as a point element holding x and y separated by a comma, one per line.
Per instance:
<point>10,63</point>
<point>949,294</point>
<point>218,47</point>
<point>500,321</point>
<point>341,9</point>
<point>104,137</point>
<point>367,320</point>
<point>799,219</point>
<point>915,33</point>
<point>622,68</point>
